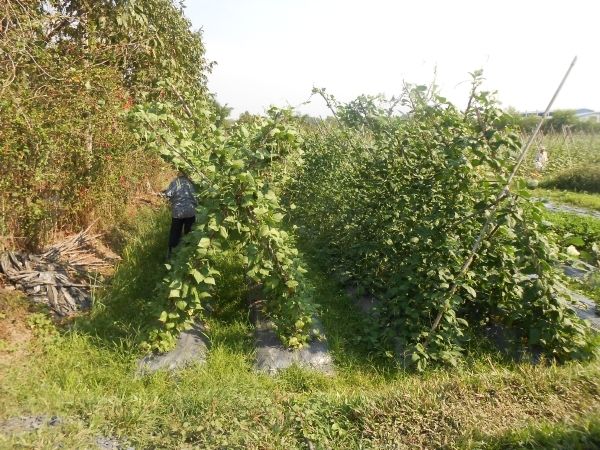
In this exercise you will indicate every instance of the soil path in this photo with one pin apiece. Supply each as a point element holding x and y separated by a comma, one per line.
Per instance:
<point>563,208</point>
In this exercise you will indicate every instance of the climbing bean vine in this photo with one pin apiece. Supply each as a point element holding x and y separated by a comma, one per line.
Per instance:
<point>239,172</point>
<point>395,201</point>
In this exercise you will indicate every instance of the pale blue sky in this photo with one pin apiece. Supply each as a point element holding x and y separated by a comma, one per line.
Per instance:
<point>275,51</point>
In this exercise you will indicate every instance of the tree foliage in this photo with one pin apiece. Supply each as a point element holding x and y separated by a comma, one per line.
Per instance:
<point>558,121</point>
<point>69,71</point>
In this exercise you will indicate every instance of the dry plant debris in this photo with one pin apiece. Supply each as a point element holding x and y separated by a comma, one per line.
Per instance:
<point>59,277</point>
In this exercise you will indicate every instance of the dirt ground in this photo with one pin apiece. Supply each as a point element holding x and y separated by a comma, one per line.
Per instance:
<point>15,333</point>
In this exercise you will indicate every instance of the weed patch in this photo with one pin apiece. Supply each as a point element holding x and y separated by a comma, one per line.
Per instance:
<point>581,434</point>
<point>579,179</point>
<point>15,333</point>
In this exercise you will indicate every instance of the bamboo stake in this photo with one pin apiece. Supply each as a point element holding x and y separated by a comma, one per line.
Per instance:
<point>502,194</point>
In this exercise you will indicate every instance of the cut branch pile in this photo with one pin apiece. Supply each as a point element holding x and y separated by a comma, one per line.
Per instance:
<point>57,277</point>
<point>79,252</point>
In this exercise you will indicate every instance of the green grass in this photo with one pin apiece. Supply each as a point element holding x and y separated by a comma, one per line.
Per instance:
<point>86,376</point>
<point>581,199</point>
<point>124,308</point>
<point>584,435</point>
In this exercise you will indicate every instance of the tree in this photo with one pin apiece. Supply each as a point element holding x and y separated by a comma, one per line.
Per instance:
<point>68,71</point>
<point>562,118</point>
<point>222,113</point>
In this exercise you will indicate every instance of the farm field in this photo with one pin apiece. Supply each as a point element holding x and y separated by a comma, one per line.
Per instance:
<point>84,376</point>
<point>566,151</point>
<point>569,157</point>
<point>574,211</point>
<point>395,275</point>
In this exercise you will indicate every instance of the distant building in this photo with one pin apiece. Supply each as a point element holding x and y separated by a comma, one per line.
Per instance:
<point>533,113</point>
<point>588,115</point>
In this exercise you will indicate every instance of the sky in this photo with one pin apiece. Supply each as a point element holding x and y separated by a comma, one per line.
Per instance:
<point>275,51</point>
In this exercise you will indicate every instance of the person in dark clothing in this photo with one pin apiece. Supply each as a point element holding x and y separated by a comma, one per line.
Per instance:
<point>182,196</point>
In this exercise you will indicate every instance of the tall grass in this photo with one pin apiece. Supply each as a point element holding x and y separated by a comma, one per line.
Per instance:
<point>125,307</point>
<point>584,435</point>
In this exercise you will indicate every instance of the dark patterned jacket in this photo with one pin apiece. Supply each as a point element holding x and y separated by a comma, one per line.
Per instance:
<point>182,196</point>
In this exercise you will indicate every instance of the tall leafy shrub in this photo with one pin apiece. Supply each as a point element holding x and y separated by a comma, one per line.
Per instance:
<point>69,72</point>
<point>397,202</point>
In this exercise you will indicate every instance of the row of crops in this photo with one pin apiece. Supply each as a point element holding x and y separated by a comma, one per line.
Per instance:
<point>397,204</point>
<point>393,203</point>
<point>567,150</point>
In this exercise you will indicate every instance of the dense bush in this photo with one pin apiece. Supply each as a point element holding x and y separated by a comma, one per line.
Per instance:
<point>580,178</point>
<point>97,99</point>
<point>397,202</point>
<point>69,73</point>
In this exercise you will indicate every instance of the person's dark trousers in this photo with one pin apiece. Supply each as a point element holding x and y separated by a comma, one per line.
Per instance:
<point>179,227</point>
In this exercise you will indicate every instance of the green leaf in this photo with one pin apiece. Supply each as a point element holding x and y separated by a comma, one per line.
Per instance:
<point>470,290</point>
<point>270,195</point>
<point>577,241</point>
<point>197,275</point>
<point>223,232</point>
